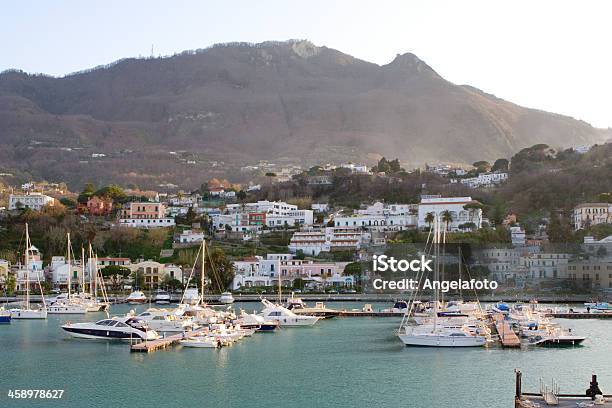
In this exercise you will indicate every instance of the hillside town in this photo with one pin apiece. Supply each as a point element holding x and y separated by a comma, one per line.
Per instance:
<point>305,245</point>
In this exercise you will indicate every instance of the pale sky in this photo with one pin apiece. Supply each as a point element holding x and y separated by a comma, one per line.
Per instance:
<point>551,55</point>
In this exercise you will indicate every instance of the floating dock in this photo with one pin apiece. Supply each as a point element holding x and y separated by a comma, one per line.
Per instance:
<point>550,396</point>
<point>154,345</point>
<point>507,336</point>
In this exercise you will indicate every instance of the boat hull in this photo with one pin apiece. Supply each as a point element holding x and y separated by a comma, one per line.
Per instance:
<point>28,314</point>
<point>98,334</point>
<point>66,310</point>
<point>412,340</point>
<point>5,318</point>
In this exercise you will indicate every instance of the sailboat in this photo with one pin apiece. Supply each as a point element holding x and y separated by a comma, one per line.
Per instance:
<point>26,312</point>
<point>69,305</point>
<point>435,333</point>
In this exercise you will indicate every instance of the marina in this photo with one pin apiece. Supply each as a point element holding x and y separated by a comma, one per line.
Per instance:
<point>325,352</point>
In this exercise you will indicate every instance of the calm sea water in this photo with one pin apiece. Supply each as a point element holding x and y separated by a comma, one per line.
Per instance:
<point>345,362</point>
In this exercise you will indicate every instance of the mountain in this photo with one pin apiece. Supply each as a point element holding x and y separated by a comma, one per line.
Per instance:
<point>208,112</point>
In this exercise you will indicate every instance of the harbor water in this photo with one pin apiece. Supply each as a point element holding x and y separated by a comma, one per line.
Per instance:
<point>340,362</point>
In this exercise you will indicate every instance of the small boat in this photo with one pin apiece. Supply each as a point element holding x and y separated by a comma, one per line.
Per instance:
<point>117,328</point>
<point>191,296</point>
<point>162,297</point>
<point>5,316</point>
<point>166,320</point>
<point>66,308</point>
<point>400,306</point>
<point>136,297</point>
<point>556,337</point>
<point>201,342</point>
<point>297,306</point>
<point>285,317</point>
<point>226,298</point>
<point>602,306</point>
<point>253,321</point>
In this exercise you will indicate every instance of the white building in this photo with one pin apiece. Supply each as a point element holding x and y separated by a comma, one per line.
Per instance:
<point>257,271</point>
<point>189,236</point>
<point>588,214</point>
<point>253,216</point>
<point>145,215</point>
<point>517,235</point>
<point>382,217</point>
<point>34,201</point>
<point>456,206</point>
<point>485,180</point>
<point>312,242</point>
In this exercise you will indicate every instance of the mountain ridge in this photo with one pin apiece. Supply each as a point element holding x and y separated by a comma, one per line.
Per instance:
<point>242,102</point>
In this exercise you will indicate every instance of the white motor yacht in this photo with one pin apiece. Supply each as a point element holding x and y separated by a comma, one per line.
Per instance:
<point>226,298</point>
<point>117,328</point>
<point>284,316</point>
<point>191,296</point>
<point>162,297</point>
<point>136,297</point>
<point>254,321</point>
<point>166,321</point>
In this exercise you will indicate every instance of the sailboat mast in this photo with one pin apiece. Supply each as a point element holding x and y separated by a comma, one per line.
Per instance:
<point>280,290</point>
<point>27,266</point>
<point>82,269</point>
<point>436,270</point>
<point>69,264</point>
<point>91,269</point>
<point>203,271</point>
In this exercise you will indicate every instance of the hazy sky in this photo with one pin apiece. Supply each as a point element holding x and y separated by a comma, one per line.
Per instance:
<point>552,55</point>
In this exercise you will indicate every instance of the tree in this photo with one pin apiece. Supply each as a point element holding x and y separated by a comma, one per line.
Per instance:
<point>11,283</point>
<point>501,165</point>
<point>219,270</point>
<point>87,192</point>
<point>447,218</point>
<point>116,274</point>
<point>430,218</point>
<point>241,195</point>
<point>270,176</point>
<point>299,254</point>
<point>113,192</point>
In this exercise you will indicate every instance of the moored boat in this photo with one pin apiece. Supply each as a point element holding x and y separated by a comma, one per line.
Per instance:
<point>136,297</point>
<point>116,328</point>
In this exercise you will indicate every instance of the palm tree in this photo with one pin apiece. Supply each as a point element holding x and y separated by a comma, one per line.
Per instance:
<point>447,218</point>
<point>429,219</point>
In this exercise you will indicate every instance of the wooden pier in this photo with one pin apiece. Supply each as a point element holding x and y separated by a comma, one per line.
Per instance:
<point>154,345</point>
<point>580,315</point>
<point>507,336</point>
<point>552,397</point>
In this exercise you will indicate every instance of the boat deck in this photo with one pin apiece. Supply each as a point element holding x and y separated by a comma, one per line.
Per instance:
<point>507,336</point>
<point>154,345</point>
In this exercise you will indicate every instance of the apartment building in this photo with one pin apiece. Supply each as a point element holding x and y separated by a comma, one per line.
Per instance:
<point>588,214</point>
<point>381,217</point>
<point>462,215</point>
<point>33,201</point>
<point>145,215</point>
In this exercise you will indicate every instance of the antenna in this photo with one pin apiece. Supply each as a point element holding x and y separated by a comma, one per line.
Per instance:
<point>152,51</point>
